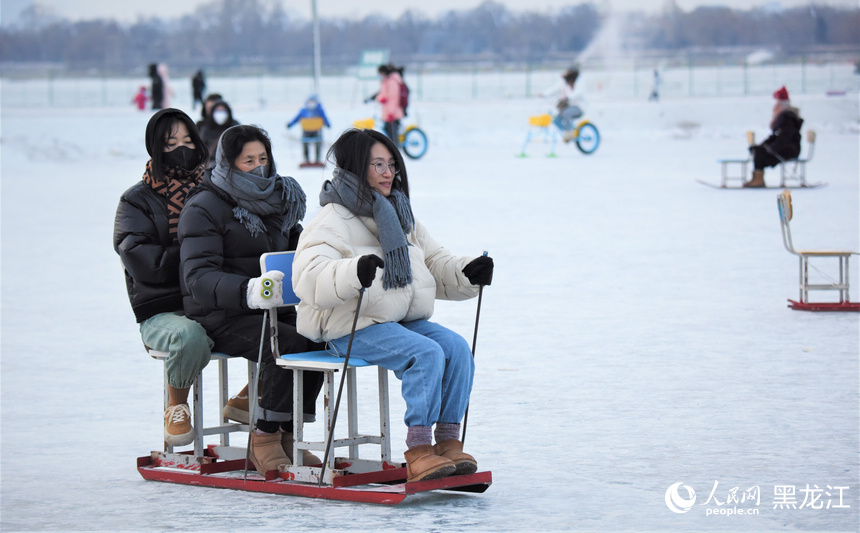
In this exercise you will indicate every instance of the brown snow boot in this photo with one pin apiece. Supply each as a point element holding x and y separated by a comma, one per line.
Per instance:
<point>267,453</point>
<point>237,407</point>
<point>422,464</point>
<point>757,180</point>
<point>453,450</point>
<point>308,458</point>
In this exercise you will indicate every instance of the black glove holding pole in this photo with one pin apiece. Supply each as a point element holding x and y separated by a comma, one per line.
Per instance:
<point>367,266</point>
<point>480,271</point>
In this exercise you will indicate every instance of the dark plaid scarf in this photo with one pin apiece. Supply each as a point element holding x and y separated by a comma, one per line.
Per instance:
<point>178,183</point>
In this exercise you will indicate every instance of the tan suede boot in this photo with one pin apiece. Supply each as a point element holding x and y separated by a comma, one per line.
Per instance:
<point>237,407</point>
<point>453,450</point>
<point>422,464</point>
<point>308,458</point>
<point>267,453</point>
<point>757,180</point>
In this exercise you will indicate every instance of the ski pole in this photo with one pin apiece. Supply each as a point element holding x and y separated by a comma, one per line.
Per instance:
<point>474,342</point>
<point>340,388</point>
<point>252,394</point>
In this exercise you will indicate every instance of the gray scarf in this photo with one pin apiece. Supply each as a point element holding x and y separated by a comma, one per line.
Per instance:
<point>393,217</point>
<point>258,196</point>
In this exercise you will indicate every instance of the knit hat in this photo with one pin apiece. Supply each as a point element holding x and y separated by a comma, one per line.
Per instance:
<point>781,93</point>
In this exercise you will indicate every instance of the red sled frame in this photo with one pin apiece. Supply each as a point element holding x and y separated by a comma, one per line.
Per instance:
<point>387,486</point>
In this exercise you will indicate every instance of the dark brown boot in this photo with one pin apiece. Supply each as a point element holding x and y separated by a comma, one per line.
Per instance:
<point>757,180</point>
<point>453,450</point>
<point>422,464</point>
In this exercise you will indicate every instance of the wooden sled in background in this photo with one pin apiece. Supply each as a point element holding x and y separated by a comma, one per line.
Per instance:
<point>792,171</point>
<point>841,284</point>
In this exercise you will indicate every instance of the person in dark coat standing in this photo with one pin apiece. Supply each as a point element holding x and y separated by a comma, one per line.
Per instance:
<point>145,237</point>
<point>783,144</point>
<point>198,88</point>
<point>157,89</point>
<point>245,209</point>
<point>217,120</point>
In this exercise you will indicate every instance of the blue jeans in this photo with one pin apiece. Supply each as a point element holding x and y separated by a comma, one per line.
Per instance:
<point>434,364</point>
<point>185,341</point>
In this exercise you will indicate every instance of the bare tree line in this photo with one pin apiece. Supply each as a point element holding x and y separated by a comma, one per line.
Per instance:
<point>236,35</point>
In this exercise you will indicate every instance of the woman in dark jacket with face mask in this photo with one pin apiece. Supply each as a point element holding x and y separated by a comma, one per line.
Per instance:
<point>145,237</point>
<point>245,210</point>
<point>218,120</point>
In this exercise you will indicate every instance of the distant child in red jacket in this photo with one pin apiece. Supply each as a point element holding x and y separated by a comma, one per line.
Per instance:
<point>141,98</point>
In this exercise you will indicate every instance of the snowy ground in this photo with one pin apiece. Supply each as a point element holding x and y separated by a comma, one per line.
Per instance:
<point>636,334</point>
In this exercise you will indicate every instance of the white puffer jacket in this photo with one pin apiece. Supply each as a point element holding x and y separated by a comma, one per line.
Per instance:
<point>325,276</point>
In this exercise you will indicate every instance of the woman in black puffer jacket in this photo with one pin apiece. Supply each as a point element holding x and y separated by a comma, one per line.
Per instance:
<point>145,238</point>
<point>243,210</point>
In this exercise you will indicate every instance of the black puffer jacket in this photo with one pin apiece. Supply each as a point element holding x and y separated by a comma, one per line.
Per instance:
<point>148,254</point>
<point>785,140</point>
<point>211,131</point>
<point>219,256</point>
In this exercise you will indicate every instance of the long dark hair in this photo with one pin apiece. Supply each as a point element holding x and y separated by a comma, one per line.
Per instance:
<point>233,141</point>
<point>159,128</point>
<point>351,152</point>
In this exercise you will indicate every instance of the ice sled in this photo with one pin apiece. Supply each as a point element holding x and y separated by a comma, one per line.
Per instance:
<point>841,284</point>
<point>792,171</point>
<point>347,476</point>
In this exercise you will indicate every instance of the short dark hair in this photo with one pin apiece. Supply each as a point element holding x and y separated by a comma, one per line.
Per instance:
<point>351,152</point>
<point>234,139</point>
<point>165,122</point>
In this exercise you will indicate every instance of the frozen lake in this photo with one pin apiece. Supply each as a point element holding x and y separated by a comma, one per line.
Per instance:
<point>636,334</point>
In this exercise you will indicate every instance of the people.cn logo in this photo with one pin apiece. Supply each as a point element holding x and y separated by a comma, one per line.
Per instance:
<point>677,503</point>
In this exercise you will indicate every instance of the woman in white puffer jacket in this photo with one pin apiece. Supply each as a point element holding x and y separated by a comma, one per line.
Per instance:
<point>366,223</point>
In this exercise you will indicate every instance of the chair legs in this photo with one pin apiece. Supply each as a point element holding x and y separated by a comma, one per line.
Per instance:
<point>842,284</point>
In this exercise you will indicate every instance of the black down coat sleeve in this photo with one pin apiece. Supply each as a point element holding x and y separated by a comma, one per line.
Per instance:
<point>149,255</point>
<point>219,256</point>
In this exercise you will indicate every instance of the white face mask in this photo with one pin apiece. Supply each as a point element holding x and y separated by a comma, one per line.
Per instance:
<point>220,116</point>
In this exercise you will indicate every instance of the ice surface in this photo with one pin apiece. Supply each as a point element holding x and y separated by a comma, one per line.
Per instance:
<point>636,334</point>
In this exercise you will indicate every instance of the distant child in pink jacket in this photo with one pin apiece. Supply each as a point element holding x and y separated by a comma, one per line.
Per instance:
<point>140,98</point>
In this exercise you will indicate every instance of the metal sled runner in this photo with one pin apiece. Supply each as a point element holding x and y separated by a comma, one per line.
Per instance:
<point>347,477</point>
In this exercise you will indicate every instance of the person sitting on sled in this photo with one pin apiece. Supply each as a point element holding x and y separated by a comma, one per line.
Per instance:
<point>312,109</point>
<point>366,223</point>
<point>783,144</point>
<point>145,237</point>
<point>241,211</point>
<point>569,99</point>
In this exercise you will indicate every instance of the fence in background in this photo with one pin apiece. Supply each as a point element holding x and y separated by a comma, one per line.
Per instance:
<point>475,83</point>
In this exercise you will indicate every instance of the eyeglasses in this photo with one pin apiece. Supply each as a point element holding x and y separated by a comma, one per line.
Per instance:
<point>381,165</point>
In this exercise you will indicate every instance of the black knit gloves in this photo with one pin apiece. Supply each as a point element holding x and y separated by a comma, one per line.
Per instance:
<point>367,266</point>
<point>480,271</point>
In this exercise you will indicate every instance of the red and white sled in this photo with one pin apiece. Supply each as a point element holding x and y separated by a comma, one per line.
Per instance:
<point>350,478</point>
<point>840,284</point>
<point>386,486</point>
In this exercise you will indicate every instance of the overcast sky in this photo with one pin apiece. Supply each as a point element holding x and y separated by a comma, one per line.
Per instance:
<point>130,10</point>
